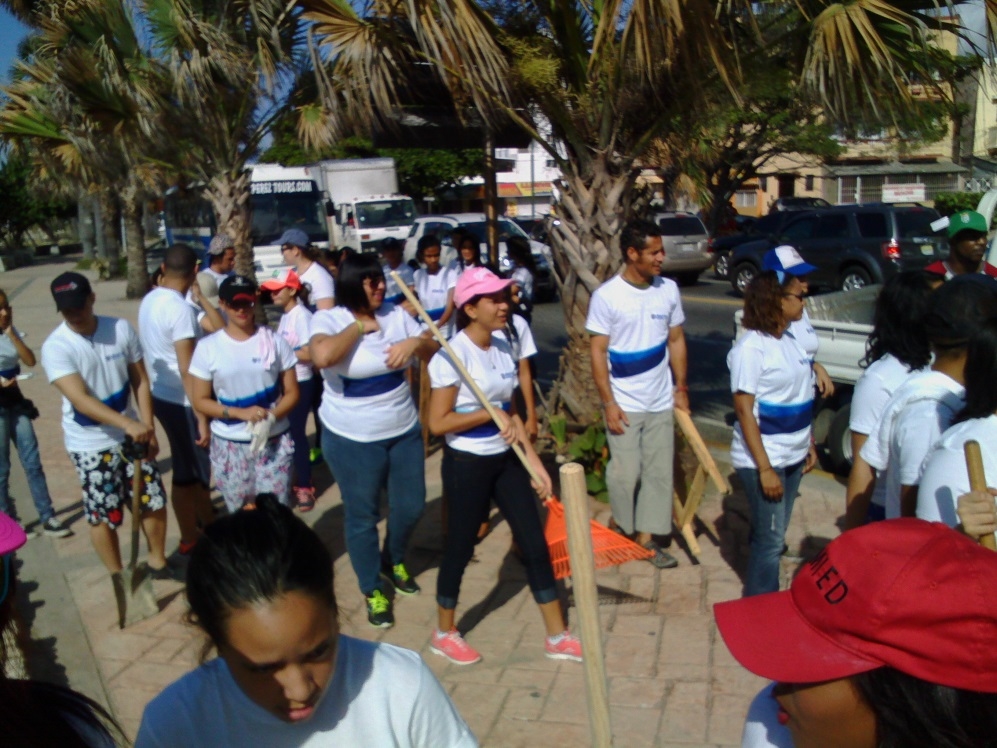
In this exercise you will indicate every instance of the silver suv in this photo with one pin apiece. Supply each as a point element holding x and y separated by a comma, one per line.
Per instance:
<point>686,242</point>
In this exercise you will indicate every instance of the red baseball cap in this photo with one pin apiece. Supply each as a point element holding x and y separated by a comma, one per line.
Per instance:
<point>477,281</point>
<point>915,596</point>
<point>285,278</point>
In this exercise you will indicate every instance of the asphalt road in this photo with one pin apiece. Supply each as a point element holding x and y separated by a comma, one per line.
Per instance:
<point>709,328</point>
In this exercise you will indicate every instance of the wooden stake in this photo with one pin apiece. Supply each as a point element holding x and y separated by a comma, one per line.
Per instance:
<point>978,481</point>
<point>576,512</point>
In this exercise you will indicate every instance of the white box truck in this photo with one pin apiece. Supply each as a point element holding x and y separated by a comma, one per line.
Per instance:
<point>363,203</point>
<point>284,197</point>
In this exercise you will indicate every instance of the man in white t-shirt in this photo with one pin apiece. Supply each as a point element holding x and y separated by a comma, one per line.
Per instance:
<point>96,363</point>
<point>638,347</point>
<point>219,265</point>
<point>168,329</point>
<point>925,405</point>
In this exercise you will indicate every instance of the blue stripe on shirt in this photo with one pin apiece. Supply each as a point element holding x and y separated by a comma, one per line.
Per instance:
<point>11,373</point>
<point>774,418</point>
<point>632,363</point>
<point>435,314</point>
<point>396,299</point>
<point>485,430</point>
<point>118,401</point>
<point>264,399</point>
<point>370,386</point>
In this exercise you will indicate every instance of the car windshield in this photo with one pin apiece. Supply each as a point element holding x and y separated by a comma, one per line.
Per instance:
<point>379,214</point>
<point>911,223</point>
<point>681,226</point>
<point>506,229</point>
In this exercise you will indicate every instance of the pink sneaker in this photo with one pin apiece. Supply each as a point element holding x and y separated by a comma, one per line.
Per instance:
<point>304,498</point>
<point>452,646</point>
<point>566,647</point>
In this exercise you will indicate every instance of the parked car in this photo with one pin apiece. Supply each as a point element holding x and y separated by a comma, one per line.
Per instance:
<point>798,203</point>
<point>686,242</point>
<point>722,246</point>
<point>443,226</point>
<point>851,246</point>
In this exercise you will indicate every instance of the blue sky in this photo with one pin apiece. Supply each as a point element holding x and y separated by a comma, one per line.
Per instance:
<point>11,33</point>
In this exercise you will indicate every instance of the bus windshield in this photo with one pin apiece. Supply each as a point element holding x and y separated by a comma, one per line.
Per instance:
<point>275,213</point>
<point>381,214</point>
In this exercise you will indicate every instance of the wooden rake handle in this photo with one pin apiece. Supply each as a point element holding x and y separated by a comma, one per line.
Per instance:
<point>978,481</point>
<point>465,375</point>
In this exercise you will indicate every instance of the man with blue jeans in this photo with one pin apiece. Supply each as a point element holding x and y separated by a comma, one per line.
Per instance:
<point>639,364</point>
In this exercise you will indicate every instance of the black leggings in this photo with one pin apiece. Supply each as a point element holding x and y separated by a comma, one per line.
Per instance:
<point>471,482</point>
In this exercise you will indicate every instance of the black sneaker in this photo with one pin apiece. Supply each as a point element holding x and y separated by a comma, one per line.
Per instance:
<point>398,575</point>
<point>379,613</point>
<point>165,573</point>
<point>55,529</point>
<point>660,559</point>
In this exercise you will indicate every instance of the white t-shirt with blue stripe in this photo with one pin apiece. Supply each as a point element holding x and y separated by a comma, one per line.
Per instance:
<point>495,372</point>
<point>432,291</point>
<point>102,362</point>
<point>362,399</point>
<point>777,372</point>
<point>637,321</point>
<point>392,293</point>
<point>240,377</point>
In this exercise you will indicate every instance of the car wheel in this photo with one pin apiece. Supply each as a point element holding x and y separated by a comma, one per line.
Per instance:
<point>854,278</point>
<point>721,270</point>
<point>742,276</point>
<point>839,441</point>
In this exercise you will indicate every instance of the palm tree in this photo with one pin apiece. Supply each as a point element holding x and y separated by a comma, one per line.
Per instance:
<point>597,83</point>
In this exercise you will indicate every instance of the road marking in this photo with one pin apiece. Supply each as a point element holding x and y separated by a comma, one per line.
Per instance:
<point>721,302</point>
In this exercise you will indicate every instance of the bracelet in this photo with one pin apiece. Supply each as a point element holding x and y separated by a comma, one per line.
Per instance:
<point>225,414</point>
<point>607,403</point>
<point>680,388</point>
<point>360,327</point>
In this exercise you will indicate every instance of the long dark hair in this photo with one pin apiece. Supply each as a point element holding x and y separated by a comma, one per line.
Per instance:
<point>980,373</point>
<point>763,304</point>
<point>912,713</point>
<point>518,250</point>
<point>252,556</point>
<point>469,237</point>
<point>898,322</point>
<point>353,271</point>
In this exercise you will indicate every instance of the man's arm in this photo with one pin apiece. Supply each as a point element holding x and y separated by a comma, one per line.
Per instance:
<point>678,355</point>
<point>616,419</point>
<point>74,389</point>
<point>185,352</point>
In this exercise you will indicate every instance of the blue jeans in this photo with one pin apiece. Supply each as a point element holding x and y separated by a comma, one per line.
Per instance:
<point>769,521</point>
<point>362,470</point>
<point>15,425</point>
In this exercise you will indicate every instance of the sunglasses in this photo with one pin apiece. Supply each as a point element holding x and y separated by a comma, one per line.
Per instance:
<point>242,305</point>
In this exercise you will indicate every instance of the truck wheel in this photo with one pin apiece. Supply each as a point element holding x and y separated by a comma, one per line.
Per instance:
<point>839,441</point>
<point>854,278</point>
<point>742,276</point>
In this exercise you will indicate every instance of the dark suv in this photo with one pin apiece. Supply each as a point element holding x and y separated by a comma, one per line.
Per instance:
<point>851,246</point>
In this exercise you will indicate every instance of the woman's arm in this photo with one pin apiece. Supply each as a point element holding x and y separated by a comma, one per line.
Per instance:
<point>744,404</point>
<point>289,382</point>
<point>304,354</point>
<point>202,401</point>
<point>861,482</point>
<point>24,353</point>
<point>529,399</point>
<point>327,350</point>
<point>448,311</point>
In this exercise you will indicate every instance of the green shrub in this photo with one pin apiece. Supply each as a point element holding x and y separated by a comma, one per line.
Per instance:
<point>949,203</point>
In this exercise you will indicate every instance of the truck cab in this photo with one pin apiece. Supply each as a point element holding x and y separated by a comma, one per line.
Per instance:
<point>362,223</point>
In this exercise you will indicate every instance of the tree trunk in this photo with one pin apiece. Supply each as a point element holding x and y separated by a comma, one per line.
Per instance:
<point>138,274</point>
<point>230,198</point>
<point>586,250</point>
<point>108,203</point>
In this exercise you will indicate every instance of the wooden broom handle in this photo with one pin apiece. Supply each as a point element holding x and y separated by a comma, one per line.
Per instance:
<point>468,379</point>
<point>701,451</point>
<point>978,481</point>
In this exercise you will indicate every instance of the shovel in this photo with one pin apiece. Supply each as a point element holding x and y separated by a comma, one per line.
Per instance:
<point>133,585</point>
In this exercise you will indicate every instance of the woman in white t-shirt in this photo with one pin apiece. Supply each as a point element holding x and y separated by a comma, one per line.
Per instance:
<point>295,329</point>
<point>297,251</point>
<point>523,268</point>
<point>479,466</point>
<point>434,284</point>
<point>260,587</point>
<point>371,438</point>
<point>897,347</point>
<point>243,379</point>
<point>771,380</point>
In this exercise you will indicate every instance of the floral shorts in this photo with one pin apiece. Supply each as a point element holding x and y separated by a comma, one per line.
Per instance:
<point>106,479</point>
<point>241,476</point>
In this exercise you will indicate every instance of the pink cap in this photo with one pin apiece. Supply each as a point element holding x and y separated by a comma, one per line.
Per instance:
<point>12,535</point>
<point>477,281</point>
<point>285,278</point>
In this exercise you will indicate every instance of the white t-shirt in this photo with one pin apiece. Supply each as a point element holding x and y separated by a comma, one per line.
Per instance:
<point>319,284</point>
<point>777,372</point>
<point>495,372</point>
<point>524,279</point>
<point>805,334</point>
<point>362,399</point>
<point>761,726</point>
<point>102,362</point>
<point>218,278</point>
<point>523,346</point>
<point>379,695</point>
<point>295,328</point>
<point>872,392</point>
<point>637,321</point>
<point>241,379</point>
<point>10,361</point>
<point>913,420</point>
<point>433,291</point>
<point>393,294</point>
<point>164,317</point>
<point>945,477</point>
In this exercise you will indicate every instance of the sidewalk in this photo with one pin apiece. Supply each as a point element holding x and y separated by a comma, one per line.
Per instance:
<point>671,680</point>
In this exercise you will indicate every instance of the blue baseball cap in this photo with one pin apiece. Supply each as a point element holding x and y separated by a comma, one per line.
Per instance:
<point>785,259</point>
<point>294,237</point>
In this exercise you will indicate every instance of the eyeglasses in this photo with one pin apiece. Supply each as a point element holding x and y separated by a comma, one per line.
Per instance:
<point>375,282</point>
<point>799,296</point>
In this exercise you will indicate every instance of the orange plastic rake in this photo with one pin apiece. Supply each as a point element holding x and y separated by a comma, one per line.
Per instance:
<point>608,547</point>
